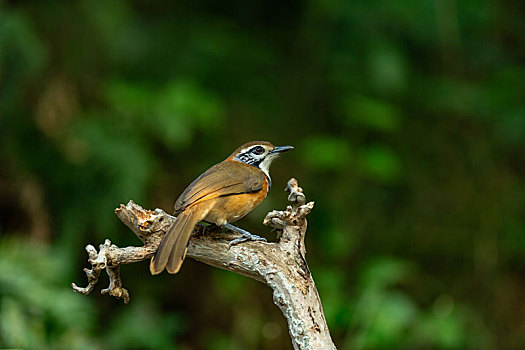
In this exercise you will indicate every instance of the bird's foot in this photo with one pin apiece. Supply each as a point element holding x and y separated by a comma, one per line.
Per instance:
<point>246,236</point>
<point>244,239</point>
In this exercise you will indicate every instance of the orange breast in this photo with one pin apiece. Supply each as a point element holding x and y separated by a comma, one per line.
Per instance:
<point>232,208</point>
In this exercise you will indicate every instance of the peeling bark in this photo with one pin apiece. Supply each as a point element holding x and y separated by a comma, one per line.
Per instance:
<point>282,266</point>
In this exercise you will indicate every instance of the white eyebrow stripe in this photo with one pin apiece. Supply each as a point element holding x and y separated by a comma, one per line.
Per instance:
<point>244,150</point>
<point>249,148</point>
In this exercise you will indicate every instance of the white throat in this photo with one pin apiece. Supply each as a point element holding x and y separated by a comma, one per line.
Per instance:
<point>265,166</point>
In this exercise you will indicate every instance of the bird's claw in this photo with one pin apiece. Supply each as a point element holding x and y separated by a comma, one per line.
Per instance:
<point>246,238</point>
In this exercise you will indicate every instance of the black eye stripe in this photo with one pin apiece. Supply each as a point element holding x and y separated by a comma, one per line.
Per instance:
<point>245,158</point>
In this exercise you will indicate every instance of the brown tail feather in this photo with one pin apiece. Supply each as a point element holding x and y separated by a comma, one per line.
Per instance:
<point>172,248</point>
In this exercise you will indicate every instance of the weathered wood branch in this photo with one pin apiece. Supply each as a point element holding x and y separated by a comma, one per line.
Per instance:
<point>282,266</point>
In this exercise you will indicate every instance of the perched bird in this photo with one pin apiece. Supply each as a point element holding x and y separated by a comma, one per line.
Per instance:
<point>222,194</point>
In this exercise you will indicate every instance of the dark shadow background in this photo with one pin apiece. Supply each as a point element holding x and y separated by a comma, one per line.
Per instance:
<point>408,119</point>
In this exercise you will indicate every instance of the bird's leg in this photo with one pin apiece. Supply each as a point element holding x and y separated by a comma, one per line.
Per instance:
<point>246,236</point>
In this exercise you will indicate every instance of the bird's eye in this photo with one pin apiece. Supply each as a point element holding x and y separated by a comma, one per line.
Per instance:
<point>258,150</point>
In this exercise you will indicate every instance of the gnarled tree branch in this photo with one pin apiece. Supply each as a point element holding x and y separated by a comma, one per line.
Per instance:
<point>282,266</point>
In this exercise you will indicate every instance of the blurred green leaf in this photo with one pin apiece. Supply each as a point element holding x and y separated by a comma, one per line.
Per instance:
<point>325,152</point>
<point>182,106</point>
<point>388,73</point>
<point>339,244</point>
<point>372,113</point>
<point>444,332</point>
<point>383,272</point>
<point>22,55</point>
<point>171,113</point>
<point>129,99</point>
<point>510,127</point>
<point>229,285</point>
<point>143,326</point>
<point>38,310</point>
<point>331,284</point>
<point>386,318</point>
<point>380,163</point>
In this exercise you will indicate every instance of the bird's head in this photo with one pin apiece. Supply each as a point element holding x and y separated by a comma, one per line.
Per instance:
<point>259,154</point>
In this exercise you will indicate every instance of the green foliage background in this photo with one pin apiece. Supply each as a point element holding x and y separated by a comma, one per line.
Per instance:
<point>408,119</point>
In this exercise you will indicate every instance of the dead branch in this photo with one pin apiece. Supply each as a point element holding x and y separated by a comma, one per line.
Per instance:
<point>282,266</point>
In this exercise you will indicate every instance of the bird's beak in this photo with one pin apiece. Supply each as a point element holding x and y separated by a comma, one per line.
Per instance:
<point>281,149</point>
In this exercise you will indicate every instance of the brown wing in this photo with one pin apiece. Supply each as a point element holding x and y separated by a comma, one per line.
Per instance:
<point>223,179</point>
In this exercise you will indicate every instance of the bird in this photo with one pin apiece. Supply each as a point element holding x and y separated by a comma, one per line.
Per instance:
<point>223,194</point>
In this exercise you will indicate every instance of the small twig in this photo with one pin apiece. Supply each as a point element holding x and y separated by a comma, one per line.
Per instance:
<point>99,262</point>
